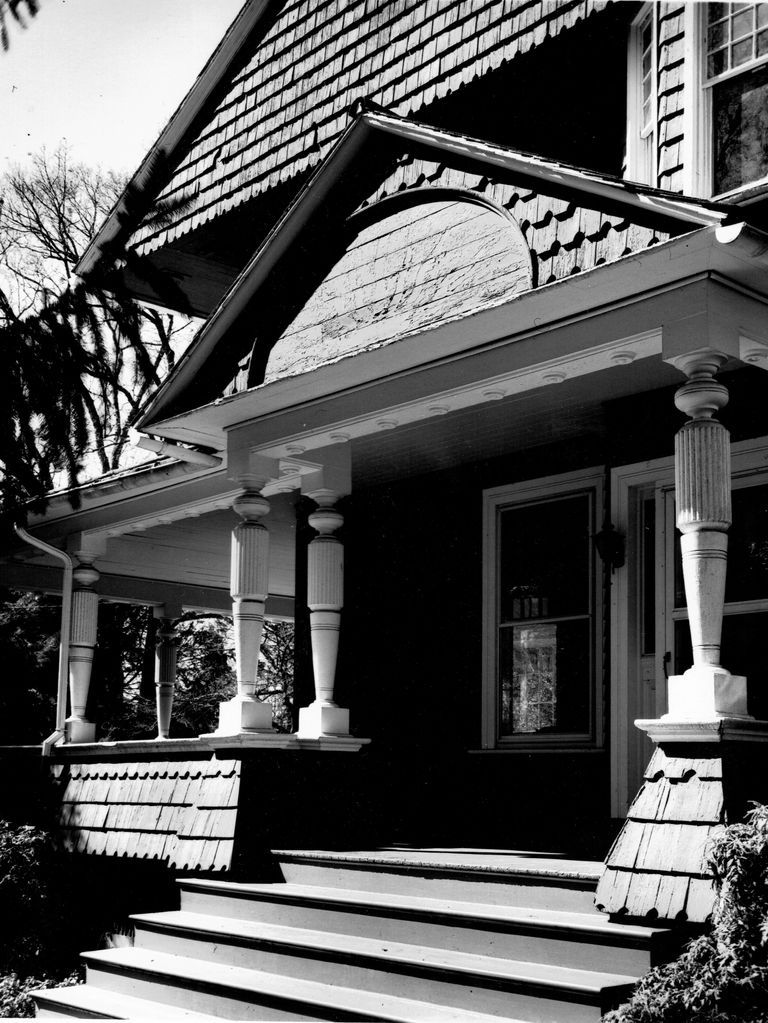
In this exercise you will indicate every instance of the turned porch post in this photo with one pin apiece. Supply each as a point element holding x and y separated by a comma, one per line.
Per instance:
<point>325,597</point>
<point>166,650</point>
<point>703,494</point>
<point>85,604</point>
<point>249,589</point>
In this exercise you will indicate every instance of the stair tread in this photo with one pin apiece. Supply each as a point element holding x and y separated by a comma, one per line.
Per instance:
<point>482,912</point>
<point>310,992</point>
<point>490,967</point>
<point>112,1005</point>
<point>492,862</point>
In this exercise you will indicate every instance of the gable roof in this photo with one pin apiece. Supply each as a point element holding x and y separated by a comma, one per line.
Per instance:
<point>640,203</point>
<point>279,111</point>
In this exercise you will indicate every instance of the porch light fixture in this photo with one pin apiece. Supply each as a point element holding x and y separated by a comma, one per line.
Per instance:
<point>609,544</point>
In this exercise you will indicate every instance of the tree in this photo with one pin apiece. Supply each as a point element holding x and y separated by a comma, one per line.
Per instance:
<point>18,11</point>
<point>81,362</point>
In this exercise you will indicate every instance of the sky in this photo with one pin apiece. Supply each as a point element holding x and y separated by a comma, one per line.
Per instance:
<point>104,75</point>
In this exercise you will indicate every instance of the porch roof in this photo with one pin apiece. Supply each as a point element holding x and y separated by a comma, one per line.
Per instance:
<point>569,308</point>
<point>666,212</point>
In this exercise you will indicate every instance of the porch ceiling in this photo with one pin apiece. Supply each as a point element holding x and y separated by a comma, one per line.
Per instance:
<point>561,412</point>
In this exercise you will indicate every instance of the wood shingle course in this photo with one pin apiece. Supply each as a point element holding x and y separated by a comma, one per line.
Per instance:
<point>319,57</point>
<point>139,809</point>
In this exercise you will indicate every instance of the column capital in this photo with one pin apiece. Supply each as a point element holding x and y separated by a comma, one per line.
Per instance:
<point>251,505</point>
<point>85,575</point>
<point>701,397</point>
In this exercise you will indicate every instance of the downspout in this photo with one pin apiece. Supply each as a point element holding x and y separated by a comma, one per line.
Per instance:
<point>59,733</point>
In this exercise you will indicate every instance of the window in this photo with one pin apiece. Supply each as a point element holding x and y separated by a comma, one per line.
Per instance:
<point>542,617</point>
<point>642,109</point>
<point>735,86</point>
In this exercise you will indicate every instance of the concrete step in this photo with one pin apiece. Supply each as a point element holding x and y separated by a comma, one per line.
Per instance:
<point>471,875</point>
<point>492,985</point>
<point>243,994</point>
<point>580,940</point>
<point>85,1002</point>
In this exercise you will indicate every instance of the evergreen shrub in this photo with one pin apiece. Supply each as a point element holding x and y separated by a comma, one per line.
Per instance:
<point>722,976</point>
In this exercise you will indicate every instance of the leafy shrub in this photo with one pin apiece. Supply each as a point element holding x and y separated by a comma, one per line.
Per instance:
<point>31,913</point>
<point>15,1000</point>
<point>721,977</point>
<point>35,910</point>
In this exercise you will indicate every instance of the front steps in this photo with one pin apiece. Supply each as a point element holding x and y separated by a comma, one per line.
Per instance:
<point>398,935</point>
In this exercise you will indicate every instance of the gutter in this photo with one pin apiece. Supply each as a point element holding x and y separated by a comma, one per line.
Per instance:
<point>59,733</point>
<point>182,454</point>
<point>172,136</point>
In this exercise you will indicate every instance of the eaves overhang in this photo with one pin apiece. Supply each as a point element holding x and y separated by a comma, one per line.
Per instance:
<point>666,208</point>
<point>121,220</point>
<point>736,256</point>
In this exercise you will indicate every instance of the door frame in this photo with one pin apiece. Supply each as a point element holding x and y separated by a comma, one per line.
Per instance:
<point>627,483</point>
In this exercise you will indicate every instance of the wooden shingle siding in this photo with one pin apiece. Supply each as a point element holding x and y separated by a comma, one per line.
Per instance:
<point>673,819</point>
<point>564,238</point>
<point>671,56</point>
<point>415,268</point>
<point>181,812</point>
<point>286,107</point>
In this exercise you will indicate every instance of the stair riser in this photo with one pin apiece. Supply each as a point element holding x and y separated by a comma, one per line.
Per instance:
<point>61,1012</point>
<point>172,991</point>
<point>444,988</point>
<point>550,948</point>
<point>494,892</point>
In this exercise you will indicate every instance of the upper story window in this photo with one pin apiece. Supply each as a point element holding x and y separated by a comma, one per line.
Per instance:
<point>642,99</point>
<point>735,81</point>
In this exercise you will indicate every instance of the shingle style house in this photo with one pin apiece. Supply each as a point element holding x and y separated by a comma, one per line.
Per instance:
<point>484,288</point>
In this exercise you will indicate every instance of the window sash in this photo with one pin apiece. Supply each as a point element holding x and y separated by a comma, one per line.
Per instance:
<point>497,500</point>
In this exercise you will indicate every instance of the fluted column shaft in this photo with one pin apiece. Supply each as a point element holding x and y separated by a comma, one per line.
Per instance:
<point>249,587</point>
<point>325,597</point>
<point>703,493</point>
<point>166,651</point>
<point>702,481</point>
<point>83,631</point>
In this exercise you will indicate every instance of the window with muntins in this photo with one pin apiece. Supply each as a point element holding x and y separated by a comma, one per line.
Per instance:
<point>642,112</point>
<point>735,72</point>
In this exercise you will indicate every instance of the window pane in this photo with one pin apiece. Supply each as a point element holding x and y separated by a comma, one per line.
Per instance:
<point>762,44</point>
<point>741,25</point>
<point>762,15</point>
<point>740,119</point>
<point>743,653</point>
<point>741,52</point>
<point>544,671</point>
<point>717,63</point>
<point>748,545</point>
<point>545,559</point>
<point>747,577</point>
<point>718,35</point>
<point>717,11</point>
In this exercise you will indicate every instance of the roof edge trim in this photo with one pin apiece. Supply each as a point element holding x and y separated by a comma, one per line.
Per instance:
<point>173,133</point>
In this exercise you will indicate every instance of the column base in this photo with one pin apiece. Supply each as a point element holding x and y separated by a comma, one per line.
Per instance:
<point>320,719</point>
<point>244,714</point>
<point>79,730</point>
<point>706,692</point>
<point>703,775</point>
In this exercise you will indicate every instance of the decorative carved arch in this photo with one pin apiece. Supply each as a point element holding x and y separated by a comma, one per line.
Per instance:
<point>410,261</point>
